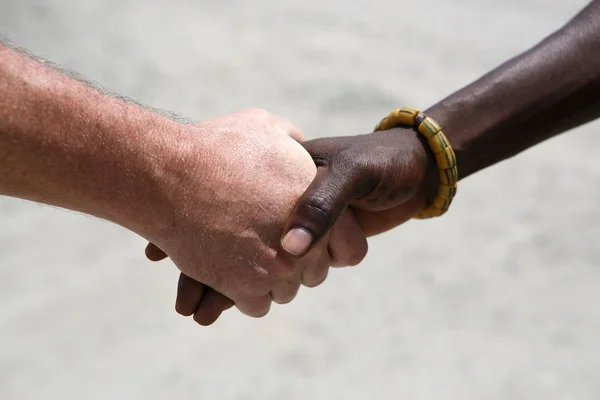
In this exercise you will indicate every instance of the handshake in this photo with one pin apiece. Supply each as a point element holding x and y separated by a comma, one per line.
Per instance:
<point>246,209</point>
<point>255,211</point>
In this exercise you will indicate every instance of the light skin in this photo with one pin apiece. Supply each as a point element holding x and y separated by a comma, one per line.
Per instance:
<point>214,196</point>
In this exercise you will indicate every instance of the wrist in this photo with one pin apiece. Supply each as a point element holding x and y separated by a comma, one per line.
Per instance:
<point>153,147</point>
<point>425,172</point>
<point>179,165</point>
<point>451,117</point>
<point>66,144</point>
<point>431,174</point>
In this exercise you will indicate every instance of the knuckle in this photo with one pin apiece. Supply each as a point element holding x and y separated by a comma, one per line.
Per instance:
<point>284,299</point>
<point>312,283</point>
<point>259,310</point>
<point>316,212</point>
<point>284,271</point>
<point>312,280</point>
<point>320,203</point>
<point>256,285</point>
<point>286,291</point>
<point>259,276</point>
<point>258,112</point>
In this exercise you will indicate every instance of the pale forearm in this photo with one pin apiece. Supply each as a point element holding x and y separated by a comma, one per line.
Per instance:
<point>66,144</point>
<point>547,90</point>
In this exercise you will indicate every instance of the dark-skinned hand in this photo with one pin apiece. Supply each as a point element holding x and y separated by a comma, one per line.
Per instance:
<point>194,298</point>
<point>206,304</point>
<point>386,177</point>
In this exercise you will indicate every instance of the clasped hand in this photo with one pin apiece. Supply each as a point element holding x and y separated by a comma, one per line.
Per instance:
<point>265,212</point>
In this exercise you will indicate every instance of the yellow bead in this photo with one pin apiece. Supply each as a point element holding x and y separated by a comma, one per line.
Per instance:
<point>445,159</point>
<point>444,156</point>
<point>383,125</point>
<point>398,117</point>
<point>392,119</point>
<point>438,142</point>
<point>448,176</point>
<point>447,191</point>
<point>429,127</point>
<point>406,116</point>
<point>441,203</point>
<point>430,212</point>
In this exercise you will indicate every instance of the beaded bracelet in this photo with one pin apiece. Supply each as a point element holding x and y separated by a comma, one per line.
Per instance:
<point>444,155</point>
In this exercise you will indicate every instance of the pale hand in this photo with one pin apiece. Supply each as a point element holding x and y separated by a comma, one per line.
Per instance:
<point>233,183</point>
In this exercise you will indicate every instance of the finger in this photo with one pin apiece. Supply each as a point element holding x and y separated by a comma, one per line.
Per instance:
<point>321,150</point>
<point>374,223</point>
<point>347,242</point>
<point>288,128</point>
<point>286,291</point>
<point>319,207</point>
<point>314,276</point>
<point>314,266</point>
<point>211,307</point>
<point>256,307</point>
<point>295,133</point>
<point>189,295</point>
<point>153,253</point>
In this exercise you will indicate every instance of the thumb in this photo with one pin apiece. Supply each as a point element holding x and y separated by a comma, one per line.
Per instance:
<point>317,210</point>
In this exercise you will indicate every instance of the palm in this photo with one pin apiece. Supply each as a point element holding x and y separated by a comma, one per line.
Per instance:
<point>376,222</point>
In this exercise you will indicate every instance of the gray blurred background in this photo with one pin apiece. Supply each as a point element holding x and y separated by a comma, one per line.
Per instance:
<point>498,300</point>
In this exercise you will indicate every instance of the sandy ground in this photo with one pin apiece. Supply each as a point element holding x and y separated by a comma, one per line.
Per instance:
<point>505,307</point>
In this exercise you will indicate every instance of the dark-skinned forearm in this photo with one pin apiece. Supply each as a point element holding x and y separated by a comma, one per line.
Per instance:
<point>546,91</point>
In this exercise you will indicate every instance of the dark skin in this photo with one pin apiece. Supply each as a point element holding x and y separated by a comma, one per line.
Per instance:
<point>194,298</point>
<point>387,177</point>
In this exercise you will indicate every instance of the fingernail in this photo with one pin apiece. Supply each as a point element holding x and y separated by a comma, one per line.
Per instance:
<point>296,241</point>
